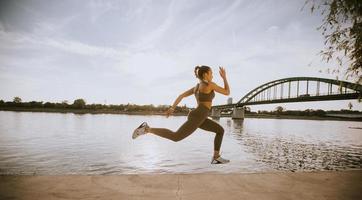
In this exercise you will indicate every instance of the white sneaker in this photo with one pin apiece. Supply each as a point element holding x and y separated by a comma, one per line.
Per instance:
<point>219,160</point>
<point>141,130</point>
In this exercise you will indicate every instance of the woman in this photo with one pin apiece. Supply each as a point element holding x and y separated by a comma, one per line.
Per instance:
<point>197,118</point>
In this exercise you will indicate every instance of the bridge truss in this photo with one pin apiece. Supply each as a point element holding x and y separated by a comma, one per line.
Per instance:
<point>299,89</point>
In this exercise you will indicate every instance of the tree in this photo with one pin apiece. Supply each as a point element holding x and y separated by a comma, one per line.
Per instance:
<point>36,104</point>
<point>279,109</point>
<point>79,103</point>
<point>64,103</point>
<point>350,105</point>
<point>17,100</point>
<point>342,30</point>
<point>49,105</point>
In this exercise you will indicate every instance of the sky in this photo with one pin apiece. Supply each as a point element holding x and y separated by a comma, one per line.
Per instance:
<point>144,52</point>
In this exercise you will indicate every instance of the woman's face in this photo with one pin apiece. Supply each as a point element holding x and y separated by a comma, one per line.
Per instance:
<point>208,76</point>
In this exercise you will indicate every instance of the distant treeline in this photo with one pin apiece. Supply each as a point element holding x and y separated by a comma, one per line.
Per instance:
<point>279,110</point>
<point>81,104</point>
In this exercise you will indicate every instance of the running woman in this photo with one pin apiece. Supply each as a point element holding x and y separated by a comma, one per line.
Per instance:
<point>198,117</point>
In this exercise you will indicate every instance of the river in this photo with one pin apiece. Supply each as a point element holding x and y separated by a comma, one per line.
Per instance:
<point>36,143</point>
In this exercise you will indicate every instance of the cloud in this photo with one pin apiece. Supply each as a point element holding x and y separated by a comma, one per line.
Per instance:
<point>99,8</point>
<point>148,40</point>
<point>19,40</point>
<point>54,27</point>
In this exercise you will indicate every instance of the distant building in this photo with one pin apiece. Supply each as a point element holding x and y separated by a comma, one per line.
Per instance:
<point>230,100</point>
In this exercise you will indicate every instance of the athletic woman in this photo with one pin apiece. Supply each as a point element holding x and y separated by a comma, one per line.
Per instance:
<point>198,117</point>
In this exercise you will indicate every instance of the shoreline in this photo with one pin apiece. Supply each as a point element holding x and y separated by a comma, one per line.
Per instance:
<point>263,116</point>
<point>274,185</point>
<point>303,117</point>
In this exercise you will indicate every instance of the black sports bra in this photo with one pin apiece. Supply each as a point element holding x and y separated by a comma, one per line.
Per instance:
<point>204,96</point>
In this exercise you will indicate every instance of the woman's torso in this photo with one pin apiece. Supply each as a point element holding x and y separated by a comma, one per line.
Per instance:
<point>204,95</point>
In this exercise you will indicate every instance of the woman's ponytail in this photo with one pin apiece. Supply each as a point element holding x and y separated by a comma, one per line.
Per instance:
<point>200,70</point>
<point>196,71</point>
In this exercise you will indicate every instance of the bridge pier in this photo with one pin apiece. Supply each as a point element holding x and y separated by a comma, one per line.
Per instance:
<point>238,113</point>
<point>215,113</point>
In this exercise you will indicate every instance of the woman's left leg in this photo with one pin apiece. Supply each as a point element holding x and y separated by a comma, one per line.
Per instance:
<point>182,132</point>
<point>193,121</point>
<point>210,125</point>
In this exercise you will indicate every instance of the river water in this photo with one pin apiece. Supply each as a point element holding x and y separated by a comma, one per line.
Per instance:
<point>59,144</point>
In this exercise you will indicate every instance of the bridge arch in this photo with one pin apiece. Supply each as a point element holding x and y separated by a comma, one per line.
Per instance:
<point>250,95</point>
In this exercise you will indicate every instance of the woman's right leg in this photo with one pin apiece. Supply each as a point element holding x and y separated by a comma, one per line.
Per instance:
<point>185,130</point>
<point>212,126</point>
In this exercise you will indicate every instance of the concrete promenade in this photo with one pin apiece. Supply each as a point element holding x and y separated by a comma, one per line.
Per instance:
<point>280,185</point>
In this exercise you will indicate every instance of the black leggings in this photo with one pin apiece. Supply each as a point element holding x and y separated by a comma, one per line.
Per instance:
<point>196,118</point>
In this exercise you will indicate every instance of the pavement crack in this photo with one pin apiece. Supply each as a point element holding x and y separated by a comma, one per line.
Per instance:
<point>178,188</point>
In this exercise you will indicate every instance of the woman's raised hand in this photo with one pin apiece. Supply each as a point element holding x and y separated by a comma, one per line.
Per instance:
<point>222,72</point>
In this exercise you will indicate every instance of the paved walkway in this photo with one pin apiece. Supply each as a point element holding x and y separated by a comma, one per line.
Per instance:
<point>283,185</point>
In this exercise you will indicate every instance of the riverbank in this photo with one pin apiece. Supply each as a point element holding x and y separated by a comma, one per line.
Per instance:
<point>281,185</point>
<point>336,118</point>
<point>85,111</point>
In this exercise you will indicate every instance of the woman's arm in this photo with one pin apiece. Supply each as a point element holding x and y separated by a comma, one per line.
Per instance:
<point>178,99</point>
<point>226,86</point>
<point>226,89</point>
<point>175,103</point>
<point>181,96</point>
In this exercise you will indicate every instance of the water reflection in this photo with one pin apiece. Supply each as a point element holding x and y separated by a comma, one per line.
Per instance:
<point>294,154</point>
